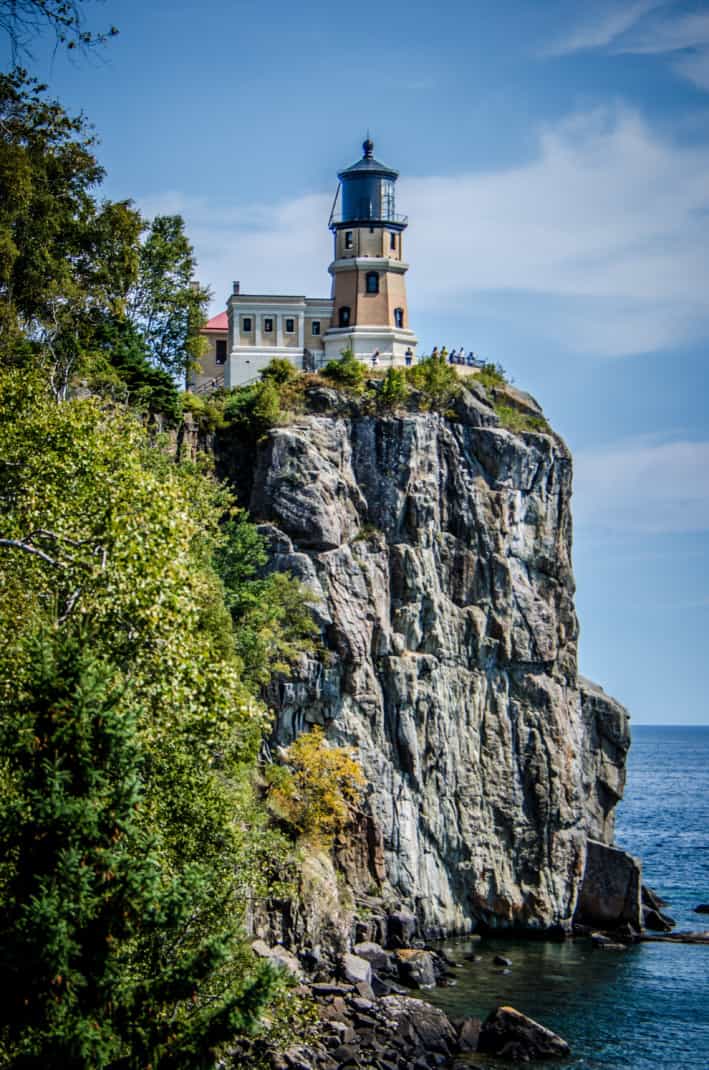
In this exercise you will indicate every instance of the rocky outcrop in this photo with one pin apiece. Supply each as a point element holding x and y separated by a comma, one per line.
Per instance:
<point>611,891</point>
<point>507,1034</point>
<point>438,554</point>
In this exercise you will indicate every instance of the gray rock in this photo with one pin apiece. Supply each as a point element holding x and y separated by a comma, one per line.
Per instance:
<point>416,968</point>
<point>502,960</point>
<point>657,921</point>
<point>280,957</point>
<point>469,1034</point>
<point>449,658</point>
<point>611,890</point>
<point>400,926</point>
<point>375,955</point>
<point>508,1034</point>
<point>355,969</point>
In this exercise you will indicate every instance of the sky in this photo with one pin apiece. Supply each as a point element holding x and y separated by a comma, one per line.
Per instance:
<point>554,160</point>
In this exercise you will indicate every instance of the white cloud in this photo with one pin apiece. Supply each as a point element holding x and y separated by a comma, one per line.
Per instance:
<point>608,228</point>
<point>604,27</point>
<point>647,27</point>
<point>695,67</point>
<point>643,487</point>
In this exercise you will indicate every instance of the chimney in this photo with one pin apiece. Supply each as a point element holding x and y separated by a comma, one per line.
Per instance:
<point>236,287</point>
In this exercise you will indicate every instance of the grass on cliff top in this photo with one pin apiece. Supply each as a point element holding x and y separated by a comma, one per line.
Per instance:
<point>281,395</point>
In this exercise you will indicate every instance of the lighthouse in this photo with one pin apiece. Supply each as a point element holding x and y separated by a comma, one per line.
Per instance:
<point>366,311</point>
<point>370,314</point>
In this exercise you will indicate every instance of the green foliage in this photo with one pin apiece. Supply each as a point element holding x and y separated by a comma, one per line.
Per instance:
<point>491,375</point>
<point>165,303</point>
<point>273,625</point>
<point>126,373</point>
<point>316,789</point>
<point>515,420</point>
<point>102,533</point>
<point>101,968</point>
<point>279,370</point>
<point>436,379</point>
<point>347,371</point>
<point>62,255</point>
<point>394,389</point>
<point>207,410</point>
<point>252,410</point>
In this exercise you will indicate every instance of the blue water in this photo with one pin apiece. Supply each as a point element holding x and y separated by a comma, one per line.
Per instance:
<point>646,1008</point>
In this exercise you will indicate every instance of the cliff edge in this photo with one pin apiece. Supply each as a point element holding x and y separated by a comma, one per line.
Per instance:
<point>438,551</point>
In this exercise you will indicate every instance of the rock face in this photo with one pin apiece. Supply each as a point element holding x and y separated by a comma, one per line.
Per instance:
<point>438,554</point>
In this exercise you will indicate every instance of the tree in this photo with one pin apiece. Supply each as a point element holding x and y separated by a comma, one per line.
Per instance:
<point>316,788</point>
<point>98,970</point>
<point>23,20</point>
<point>63,256</point>
<point>166,304</point>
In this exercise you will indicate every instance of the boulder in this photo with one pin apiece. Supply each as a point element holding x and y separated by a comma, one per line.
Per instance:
<point>502,960</point>
<point>611,888</point>
<point>375,955</point>
<point>280,957</point>
<point>469,1034</point>
<point>401,926</point>
<point>508,1034</point>
<point>652,899</point>
<point>416,968</point>
<point>657,921</point>
<point>703,908</point>
<point>355,969</point>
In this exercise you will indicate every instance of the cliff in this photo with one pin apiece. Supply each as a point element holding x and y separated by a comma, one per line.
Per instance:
<point>438,551</point>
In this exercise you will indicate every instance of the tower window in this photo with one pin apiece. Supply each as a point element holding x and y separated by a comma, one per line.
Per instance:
<point>372,283</point>
<point>290,326</point>
<point>344,316</point>
<point>268,325</point>
<point>315,328</point>
<point>221,351</point>
<point>398,317</point>
<point>246,325</point>
<point>348,239</point>
<point>392,240</point>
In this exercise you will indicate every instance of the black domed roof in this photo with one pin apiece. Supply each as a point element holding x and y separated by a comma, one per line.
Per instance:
<point>368,165</point>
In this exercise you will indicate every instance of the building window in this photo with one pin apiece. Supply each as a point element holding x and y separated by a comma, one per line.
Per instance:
<point>398,317</point>
<point>392,240</point>
<point>315,328</point>
<point>290,326</point>
<point>221,351</point>
<point>372,282</point>
<point>246,325</point>
<point>268,325</point>
<point>344,316</point>
<point>348,239</point>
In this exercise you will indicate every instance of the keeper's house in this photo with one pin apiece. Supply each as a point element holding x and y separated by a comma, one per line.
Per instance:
<point>366,312</point>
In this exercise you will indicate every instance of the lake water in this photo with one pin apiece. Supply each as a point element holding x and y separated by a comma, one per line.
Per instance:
<point>646,1008</point>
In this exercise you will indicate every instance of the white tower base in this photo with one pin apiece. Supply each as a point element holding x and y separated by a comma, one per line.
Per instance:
<point>391,342</point>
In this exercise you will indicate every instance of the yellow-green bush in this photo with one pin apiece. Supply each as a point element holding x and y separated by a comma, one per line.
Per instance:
<point>316,789</point>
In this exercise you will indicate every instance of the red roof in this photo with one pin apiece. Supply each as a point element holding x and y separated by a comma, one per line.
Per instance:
<point>217,323</point>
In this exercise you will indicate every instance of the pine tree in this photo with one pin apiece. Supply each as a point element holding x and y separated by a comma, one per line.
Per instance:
<point>103,962</point>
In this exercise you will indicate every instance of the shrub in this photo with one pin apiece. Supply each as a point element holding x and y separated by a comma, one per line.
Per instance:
<point>207,412</point>
<point>253,409</point>
<point>394,389</point>
<point>315,791</point>
<point>436,379</point>
<point>279,370</point>
<point>514,420</point>
<point>347,371</point>
<point>492,375</point>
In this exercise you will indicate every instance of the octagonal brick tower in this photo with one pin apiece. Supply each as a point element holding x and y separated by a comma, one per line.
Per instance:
<point>370,313</point>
